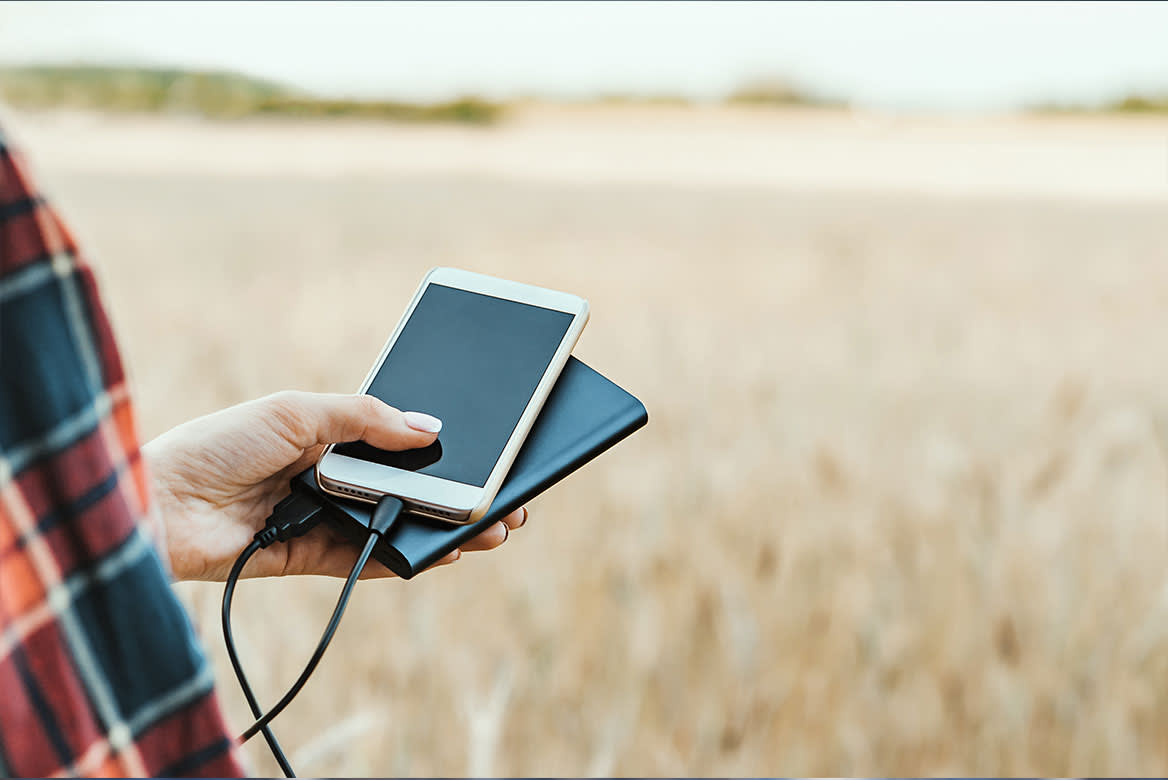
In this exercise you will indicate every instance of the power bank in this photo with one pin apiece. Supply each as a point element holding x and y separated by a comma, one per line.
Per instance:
<point>585,415</point>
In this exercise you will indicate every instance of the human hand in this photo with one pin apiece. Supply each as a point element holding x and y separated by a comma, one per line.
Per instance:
<point>217,478</point>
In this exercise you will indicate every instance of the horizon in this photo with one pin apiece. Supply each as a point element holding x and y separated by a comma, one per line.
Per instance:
<point>936,57</point>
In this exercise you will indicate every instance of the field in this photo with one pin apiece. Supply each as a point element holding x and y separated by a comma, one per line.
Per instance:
<point>902,505</point>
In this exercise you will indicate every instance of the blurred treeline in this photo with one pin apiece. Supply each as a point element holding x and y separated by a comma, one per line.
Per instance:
<point>225,94</point>
<point>215,94</point>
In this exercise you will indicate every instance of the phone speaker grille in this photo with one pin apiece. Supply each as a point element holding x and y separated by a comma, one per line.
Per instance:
<point>367,494</point>
<point>355,491</point>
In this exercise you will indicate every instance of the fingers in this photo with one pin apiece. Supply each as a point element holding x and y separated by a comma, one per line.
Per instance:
<point>326,553</point>
<point>516,519</point>
<point>450,557</point>
<point>497,533</point>
<point>488,539</point>
<point>335,558</point>
<point>310,419</point>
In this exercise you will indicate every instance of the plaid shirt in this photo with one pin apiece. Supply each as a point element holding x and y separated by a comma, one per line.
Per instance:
<point>100,669</point>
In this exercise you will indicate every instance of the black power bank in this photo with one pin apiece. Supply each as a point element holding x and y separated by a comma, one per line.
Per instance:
<point>584,415</point>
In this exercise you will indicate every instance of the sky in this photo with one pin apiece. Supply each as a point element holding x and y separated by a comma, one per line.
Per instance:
<point>896,56</point>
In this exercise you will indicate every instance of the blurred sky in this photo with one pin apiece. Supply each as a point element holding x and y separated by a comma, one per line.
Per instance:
<point>918,56</point>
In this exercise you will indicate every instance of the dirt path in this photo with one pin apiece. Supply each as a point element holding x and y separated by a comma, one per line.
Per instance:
<point>1076,158</point>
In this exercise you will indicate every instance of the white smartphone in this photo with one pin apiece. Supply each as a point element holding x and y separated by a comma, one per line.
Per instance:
<point>479,353</point>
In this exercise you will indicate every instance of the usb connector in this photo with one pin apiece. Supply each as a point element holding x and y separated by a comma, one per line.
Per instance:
<point>294,516</point>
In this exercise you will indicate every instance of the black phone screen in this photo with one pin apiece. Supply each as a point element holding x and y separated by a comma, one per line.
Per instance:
<point>473,361</point>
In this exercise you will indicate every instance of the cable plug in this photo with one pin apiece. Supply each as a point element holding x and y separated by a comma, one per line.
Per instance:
<point>294,516</point>
<point>386,514</point>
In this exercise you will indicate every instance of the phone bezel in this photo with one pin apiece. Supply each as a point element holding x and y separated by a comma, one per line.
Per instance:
<point>446,499</point>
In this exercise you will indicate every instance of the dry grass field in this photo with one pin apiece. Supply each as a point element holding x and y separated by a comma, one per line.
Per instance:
<point>902,505</point>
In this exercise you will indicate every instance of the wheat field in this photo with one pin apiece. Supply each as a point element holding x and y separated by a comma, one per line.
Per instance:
<point>902,504</point>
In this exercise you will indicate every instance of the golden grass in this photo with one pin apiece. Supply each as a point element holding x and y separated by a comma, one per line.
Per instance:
<point>902,506</point>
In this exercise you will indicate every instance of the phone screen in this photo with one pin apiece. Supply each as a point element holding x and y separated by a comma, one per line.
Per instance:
<point>473,361</point>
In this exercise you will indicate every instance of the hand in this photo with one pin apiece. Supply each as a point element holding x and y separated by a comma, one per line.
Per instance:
<point>217,478</point>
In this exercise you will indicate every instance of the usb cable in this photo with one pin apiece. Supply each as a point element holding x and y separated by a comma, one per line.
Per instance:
<point>294,516</point>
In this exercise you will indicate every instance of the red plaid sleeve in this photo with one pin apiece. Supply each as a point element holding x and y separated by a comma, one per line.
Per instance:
<point>100,669</point>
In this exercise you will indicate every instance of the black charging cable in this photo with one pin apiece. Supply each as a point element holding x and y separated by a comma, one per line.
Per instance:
<point>295,516</point>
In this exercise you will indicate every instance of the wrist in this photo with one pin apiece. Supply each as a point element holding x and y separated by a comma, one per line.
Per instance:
<point>166,506</point>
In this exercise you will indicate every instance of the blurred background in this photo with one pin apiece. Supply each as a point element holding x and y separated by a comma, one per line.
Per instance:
<point>892,280</point>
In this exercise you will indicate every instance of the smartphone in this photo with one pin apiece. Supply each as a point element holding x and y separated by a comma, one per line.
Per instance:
<point>479,353</point>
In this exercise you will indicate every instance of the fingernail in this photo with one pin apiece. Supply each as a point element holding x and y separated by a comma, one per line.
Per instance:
<point>506,530</point>
<point>422,422</point>
<point>457,555</point>
<point>523,522</point>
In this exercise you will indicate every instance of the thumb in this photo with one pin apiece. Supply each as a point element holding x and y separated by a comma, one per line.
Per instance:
<point>328,418</point>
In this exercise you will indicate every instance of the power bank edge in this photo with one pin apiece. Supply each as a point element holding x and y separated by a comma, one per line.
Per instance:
<point>585,415</point>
